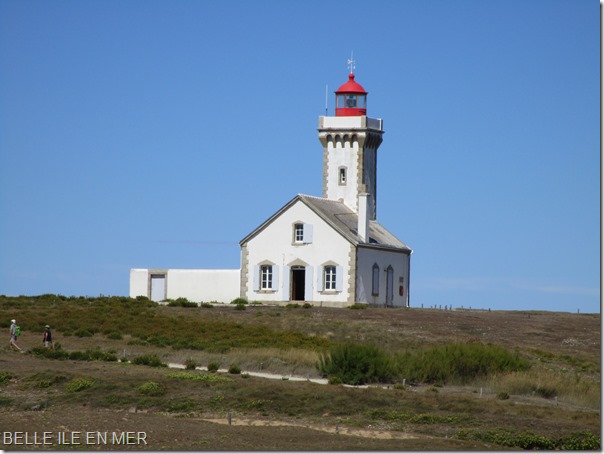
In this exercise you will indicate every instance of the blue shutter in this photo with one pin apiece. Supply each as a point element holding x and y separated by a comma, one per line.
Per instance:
<point>339,278</point>
<point>308,284</point>
<point>256,278</point>
<point>307,233</point>
<point>275,283</point>
<point>320,279</point>
<point>285,293</point>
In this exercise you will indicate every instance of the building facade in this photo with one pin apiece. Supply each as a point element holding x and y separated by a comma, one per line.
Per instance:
<point>327,251</point>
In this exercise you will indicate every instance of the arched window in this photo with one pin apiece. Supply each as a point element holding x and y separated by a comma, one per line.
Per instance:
<point>375,280</point>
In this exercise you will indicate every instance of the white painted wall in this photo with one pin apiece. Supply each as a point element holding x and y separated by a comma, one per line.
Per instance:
<point>195,285</point>
<point>343,154</point>
<point>400,263</point>
<point>139,282</point>
<point>275,244</point>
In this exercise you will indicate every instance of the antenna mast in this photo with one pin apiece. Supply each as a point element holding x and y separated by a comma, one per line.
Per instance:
<point>325,99</point>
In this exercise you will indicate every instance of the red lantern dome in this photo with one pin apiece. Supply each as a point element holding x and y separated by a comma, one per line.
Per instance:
<point>351,99</point>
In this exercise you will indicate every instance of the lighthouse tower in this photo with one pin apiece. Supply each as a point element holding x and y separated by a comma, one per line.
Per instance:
<point>350,141</point>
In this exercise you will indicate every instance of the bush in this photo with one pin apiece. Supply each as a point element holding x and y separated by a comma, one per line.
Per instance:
<point>152,388</point>
<point>190,364</point>
<point>83,332</point>
<point>48,353</point>
<point>503,396</point>
<point>5,377</point>
<point>240,307</point>
<point>357,364</point>
<point>114,335</point>
<point>149,360</point>
<point>213,366</point>
<point>234,369</point>
<point>307,305</point>
<point>182,302</point>
<point>458,362</point>
<point>358,306</point>
<point>238,301</point>
<point>334,380</point>
<point>208,305</point>
<point>79,384</point>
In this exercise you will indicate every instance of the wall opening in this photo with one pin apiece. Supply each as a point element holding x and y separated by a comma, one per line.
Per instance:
<point>158,287</point>
<point>298,280</point>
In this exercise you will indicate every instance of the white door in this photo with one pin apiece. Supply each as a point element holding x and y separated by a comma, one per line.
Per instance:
<point>158,287</point>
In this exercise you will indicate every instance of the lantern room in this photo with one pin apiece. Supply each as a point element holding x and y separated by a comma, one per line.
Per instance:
<point>351,99</point>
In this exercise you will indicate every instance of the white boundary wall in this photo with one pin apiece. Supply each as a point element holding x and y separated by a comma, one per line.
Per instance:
<point>194,285</point>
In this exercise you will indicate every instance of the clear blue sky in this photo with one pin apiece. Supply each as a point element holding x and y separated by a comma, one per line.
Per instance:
<point>158,134</point>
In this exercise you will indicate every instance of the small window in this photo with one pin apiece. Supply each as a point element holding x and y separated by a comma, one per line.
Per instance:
<point>342,176</point>
<point>302,233</point>
<point>375,281</point>
<point>266,277</point>
<point>340,101</point>
<point>298,233</point>
<point>329,276</point>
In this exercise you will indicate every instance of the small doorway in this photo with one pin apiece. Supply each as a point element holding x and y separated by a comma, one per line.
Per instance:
<point>158,287</point>
<point>298,280</point>
<point>389,286</point>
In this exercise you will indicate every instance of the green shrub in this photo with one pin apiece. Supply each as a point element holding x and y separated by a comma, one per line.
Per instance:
<point>530,441</point>
<point>238,301</point>
<point>79,384</point>
<point>293,305</point>
<point>334,380</point>
<point>152,388</point>
<point>458,362</point>
<point>503,396</point>
<point>240,307</point>
<point>115,335</point>
<point>358,306</point>
<point>307,305</point>
<point>234,369</point>
<point>208,305</point>
<point>190,364</point>
<point>213,366</point>
<point>5,377</point>
<point>149,360</point>
<point>182,302</point>
<point>357,364</point>
<point>48,353</point>
<point>199,377</point>
<point>579,441</point>
<point>83,332</point>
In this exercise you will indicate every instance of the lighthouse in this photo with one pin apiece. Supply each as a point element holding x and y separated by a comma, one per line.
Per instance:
<point>350,142</point>
<point>327,251</point>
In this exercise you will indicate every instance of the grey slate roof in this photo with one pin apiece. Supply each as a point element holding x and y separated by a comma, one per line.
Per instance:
<point>343,220</point>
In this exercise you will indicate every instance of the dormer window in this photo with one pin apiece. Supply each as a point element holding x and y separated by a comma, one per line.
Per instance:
<point>298,233</point>
<point>302,233</point>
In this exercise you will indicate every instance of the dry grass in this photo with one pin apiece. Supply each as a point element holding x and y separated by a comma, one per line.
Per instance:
<point>564,350</point>
<point>565,387</point>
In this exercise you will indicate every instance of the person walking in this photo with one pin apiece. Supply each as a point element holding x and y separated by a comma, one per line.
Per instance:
<point>47,340</point>
<point>15,331</point>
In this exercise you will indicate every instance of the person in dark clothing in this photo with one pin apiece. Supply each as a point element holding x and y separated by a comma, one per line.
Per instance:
<point>47,340</point>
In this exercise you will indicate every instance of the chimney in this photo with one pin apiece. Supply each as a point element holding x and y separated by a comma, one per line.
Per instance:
<point>363,227</point>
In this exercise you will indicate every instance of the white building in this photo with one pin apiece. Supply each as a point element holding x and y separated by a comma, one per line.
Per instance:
<point>328,250</point>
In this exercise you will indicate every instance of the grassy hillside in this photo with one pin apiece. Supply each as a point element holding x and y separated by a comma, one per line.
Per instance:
<point>438,380</point>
